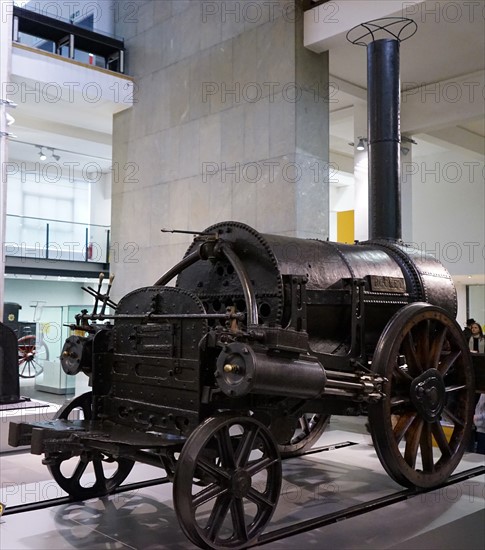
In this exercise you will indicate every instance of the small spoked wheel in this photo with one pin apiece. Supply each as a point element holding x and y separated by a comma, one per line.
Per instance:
<point>227,482</point>
<point>31,355</point>
<point>92,473</point>
<point>422,426</point>
<point>308,429</point>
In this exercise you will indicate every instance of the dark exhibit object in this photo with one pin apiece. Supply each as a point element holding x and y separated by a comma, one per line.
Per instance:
<point>260,341</point>
<point>9,379</point>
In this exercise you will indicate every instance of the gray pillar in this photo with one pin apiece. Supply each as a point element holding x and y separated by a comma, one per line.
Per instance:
<point>230,122</point>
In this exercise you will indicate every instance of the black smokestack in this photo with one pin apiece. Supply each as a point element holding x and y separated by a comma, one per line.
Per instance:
<point>383,119</point>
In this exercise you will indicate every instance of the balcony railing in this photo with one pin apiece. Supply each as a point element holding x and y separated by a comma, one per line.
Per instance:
<point>66,39</point>
<point>45,239</point>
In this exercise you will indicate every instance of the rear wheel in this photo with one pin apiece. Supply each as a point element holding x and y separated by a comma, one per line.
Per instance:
<point>92,473</point>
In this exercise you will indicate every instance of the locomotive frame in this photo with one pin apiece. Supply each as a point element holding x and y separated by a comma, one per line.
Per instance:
<point>243,361</point>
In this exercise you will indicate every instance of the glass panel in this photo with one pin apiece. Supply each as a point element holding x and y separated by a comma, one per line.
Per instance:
<point>26,237</point>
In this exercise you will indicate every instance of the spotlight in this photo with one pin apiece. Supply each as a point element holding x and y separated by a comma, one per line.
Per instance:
<point>42,155</point>
<point>57,158</point>
<point>361,144</point>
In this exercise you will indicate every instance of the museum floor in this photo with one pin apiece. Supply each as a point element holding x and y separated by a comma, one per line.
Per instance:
<point>144,519</point>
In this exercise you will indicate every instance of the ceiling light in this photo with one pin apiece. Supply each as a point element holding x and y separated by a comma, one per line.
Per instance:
<point>361,144</point>
<point>10,119</point>
<point>42,155</point>
<point>56,157</point>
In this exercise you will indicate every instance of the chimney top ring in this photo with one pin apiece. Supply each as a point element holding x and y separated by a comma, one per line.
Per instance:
<point>396,28</point>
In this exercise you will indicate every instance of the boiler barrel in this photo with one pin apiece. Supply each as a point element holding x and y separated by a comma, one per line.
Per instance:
<point>390,275</point>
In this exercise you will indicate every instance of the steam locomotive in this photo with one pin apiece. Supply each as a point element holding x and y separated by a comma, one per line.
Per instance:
<point>261,339</point>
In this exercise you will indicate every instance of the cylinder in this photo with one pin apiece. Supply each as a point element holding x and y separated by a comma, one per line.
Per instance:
<point>241,370</point>
<point>383,83</point>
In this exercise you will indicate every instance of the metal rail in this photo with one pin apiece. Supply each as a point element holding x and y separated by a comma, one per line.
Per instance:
<point>31,506</point>
<point>298,527</point>
<point>353,511</point>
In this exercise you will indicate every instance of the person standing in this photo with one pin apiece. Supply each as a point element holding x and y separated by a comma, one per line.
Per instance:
<point>479,421</point>
<point>476,343</point>
<point>467,331</point>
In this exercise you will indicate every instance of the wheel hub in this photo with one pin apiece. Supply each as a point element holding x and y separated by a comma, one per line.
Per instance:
<point>428,394</point>
<point>240,483</point>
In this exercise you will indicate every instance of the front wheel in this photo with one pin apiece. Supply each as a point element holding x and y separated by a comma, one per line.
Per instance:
<point>429,390</point>
<point>227,482</point>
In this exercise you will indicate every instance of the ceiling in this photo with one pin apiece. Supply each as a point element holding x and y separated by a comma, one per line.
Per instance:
<point>448,48</point>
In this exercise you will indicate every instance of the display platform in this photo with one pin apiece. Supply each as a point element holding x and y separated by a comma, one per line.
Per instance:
<point>322,483</point>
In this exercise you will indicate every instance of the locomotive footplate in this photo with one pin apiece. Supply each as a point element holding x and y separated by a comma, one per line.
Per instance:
<point>79,434</point>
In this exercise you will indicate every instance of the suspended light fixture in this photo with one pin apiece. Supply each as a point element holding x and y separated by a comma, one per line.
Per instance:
<point>361,144</point>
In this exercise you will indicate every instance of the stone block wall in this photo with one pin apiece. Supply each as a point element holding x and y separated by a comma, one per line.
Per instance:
<point>230,122</point>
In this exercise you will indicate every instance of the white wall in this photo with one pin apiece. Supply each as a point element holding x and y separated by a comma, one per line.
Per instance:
<point>448,199</point>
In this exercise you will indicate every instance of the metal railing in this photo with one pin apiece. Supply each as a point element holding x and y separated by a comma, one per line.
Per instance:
<point>47,239</point>
<point>58,36</point>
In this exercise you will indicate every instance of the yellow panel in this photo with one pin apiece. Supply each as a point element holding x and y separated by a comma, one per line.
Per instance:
<point>345,227</point>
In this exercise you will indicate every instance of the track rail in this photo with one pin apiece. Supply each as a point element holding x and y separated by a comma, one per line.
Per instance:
<point>31,506</point>
<point>360,509</point>
<point>291,530</point>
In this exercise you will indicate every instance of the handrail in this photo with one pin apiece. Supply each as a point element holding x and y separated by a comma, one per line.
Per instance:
<point>58,221</point>
<point>75,37</point>
<point>61,240</point>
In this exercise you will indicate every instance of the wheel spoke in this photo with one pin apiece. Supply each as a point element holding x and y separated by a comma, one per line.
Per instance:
<point>426,445</point>
<point>412,442</point>
<point>260,465</point>
<point>207,494</point>
<point>448,361</point>
<point>259,499</point>
<point>437,347</point>
<point>409,349</point>
<point>246,445</point>
<point>79,471</point>
<point>217,516</point>
<point>422,344</point>
<point>217,473</point>
<point>403,425</point>
<point>440,437</point>
<point>455,387</point>
<point>99,473</point>
<point>238,520</point>
<point>452,417</point>
<point>226,449</point>
<point>304,424</point>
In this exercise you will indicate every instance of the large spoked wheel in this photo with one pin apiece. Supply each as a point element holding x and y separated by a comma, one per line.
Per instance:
<point>429,384</point>
<point>227,482</point>
<point>309,427</point>
<point>31,355</point>
<point>93,473</point>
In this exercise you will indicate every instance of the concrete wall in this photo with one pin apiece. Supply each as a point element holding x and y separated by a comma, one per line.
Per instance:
<point>230,122</point>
